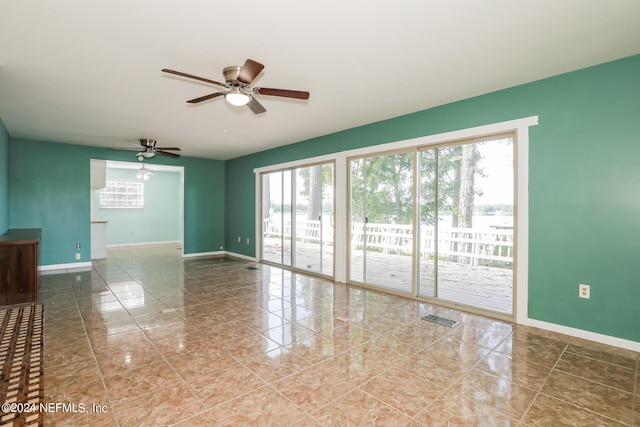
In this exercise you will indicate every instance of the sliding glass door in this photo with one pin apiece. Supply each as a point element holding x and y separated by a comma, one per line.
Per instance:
<point>467,223</point>
<point>297,218</point>
<point>381,221</point>
<point>457,244</point>
<point>435,222</point>
<point>428,217</point>
<point>313,242</point>
<point>276,217</point>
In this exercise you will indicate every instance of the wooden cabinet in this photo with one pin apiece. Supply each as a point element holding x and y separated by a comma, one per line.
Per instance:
<point>19,266</point>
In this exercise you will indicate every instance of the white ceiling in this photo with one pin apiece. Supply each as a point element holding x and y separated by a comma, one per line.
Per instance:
<point>88,72</point>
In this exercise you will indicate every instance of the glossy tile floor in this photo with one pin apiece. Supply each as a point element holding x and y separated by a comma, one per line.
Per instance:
<point>149,338</point>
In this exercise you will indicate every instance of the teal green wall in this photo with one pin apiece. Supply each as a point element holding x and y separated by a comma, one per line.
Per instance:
<point>583,179</point>
<point>584,204</point>
<point>157,221</point>
<point>4,178</point>
<point>49,189</point>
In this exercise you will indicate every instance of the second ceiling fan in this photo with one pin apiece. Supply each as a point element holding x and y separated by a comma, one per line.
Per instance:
<point>237,82</point>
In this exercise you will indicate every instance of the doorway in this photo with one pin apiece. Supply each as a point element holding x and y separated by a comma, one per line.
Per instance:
<point>136,204</point>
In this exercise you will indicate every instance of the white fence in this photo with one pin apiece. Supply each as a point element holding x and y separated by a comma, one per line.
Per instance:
<point>463,245</point>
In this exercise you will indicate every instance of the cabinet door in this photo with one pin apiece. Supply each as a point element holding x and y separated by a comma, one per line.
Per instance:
<point>18,271</point>
<point>6,267</point>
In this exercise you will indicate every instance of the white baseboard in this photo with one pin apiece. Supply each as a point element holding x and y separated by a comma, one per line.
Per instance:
<point>244,257</point>
<point>218,253</point>
<point>587,335</point>
<point>199,254</point>
<point>70,266</point>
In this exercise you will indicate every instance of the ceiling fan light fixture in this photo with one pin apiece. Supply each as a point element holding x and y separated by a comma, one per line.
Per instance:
<point>143,173</point>
<point>236,98</point>
<point>145,155</point>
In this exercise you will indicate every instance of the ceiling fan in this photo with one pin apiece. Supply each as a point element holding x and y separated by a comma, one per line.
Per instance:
<point>148,149</point>
<point>237,82</point>
<point>143,173</point>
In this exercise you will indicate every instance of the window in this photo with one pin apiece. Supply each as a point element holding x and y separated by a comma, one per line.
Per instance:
<point>297,217</point>
<point>120,194</point>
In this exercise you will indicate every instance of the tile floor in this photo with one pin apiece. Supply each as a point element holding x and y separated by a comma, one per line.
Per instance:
<point>149,338</point>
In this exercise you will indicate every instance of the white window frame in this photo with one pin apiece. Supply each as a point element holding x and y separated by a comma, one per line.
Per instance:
<point>132,189</point>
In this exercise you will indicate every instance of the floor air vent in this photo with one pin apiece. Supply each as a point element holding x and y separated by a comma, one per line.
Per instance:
<point>440,320</point>
<point>252,268</point>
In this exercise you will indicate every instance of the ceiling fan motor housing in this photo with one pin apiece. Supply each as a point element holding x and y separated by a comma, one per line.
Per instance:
<point>147,142</point>
<point>231,74</point>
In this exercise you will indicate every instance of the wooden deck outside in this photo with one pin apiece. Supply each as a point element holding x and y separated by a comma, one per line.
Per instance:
<point>488,288</point>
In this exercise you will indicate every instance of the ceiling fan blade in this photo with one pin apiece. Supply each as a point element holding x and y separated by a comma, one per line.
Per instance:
<point>255,106</point>
<point>125,148</point>
<point>298,94</point>
<point>168,148</point>
<point>204,98</point>
<point>191,76</point>
<point>249,71</point>
<point>167,153</point>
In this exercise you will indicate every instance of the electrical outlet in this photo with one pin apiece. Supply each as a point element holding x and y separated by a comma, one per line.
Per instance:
<point>247,240</point>
<point>239,239</point>
<point>585,291</point>
<point>78,256</point>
